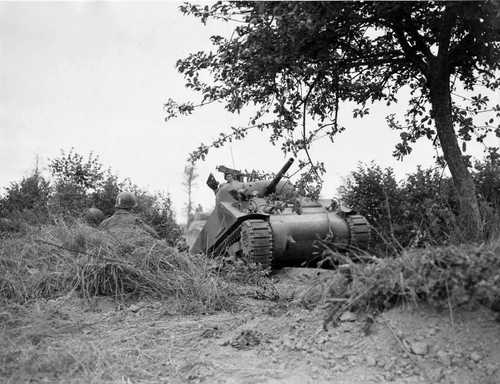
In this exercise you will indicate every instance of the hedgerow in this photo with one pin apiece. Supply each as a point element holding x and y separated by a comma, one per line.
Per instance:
<point>78,183</point>
<point>422,208</point>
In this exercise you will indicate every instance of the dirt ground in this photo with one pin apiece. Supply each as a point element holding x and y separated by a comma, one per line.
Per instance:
<point>265,341</point>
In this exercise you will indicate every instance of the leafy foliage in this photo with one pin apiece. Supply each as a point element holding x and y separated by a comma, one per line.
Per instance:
<point>487,179</point>
<point>74,179</point>
<point>419,210</point>
<point>27,198</point>
<point>68,199</point>
<point>296,58</point>
<point>80,183</point>
<point>377,194</point>
<point>158,211</point>
<point>104,197</point>
<point>73,168</point>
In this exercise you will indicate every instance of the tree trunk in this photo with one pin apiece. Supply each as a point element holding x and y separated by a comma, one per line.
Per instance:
<point>470,217</point>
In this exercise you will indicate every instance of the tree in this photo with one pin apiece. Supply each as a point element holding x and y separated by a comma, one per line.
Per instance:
<point>72,168</point>
<point>298,61</point>
<point>75,179</point>
<point>190,177</point>
<point>31,194</point>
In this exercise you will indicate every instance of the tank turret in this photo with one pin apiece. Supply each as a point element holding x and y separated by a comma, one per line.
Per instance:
<point>270,223</point>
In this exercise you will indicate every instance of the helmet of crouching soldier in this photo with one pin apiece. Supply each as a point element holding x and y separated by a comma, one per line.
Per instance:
<point>94,216</point>
<point>126,200</point>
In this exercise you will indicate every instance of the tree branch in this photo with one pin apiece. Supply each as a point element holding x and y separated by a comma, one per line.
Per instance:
<point>448,21</point>
<point>410,52</point>
<point>304,111</point>
<point>420,42</point>
<point>461,51</point>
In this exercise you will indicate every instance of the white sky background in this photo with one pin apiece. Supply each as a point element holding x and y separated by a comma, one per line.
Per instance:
<point>95,76</point>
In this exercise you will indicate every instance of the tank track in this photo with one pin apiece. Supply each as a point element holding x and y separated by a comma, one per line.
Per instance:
<point>222,248</point>
<point>256,241</point>
<point>359,230</point>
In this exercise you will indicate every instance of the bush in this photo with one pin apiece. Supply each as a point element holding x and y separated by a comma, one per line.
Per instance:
<point>76,179</point>
<point>68,200</point>
<point>157,210</point>
<point>419,210</point>
<point>72,168</point>
<point>430,206</point>
<point>78,184</point>
<point>104,197</point>
<point>487,179</point>
<point>375,193</point>
<point>81,183</point>
<point>27,200</point>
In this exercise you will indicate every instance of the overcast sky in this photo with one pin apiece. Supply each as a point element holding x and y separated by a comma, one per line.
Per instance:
<point>94,76</point>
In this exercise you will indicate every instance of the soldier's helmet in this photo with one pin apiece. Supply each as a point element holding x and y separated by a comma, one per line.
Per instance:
<point>94,216</point>
<point>126,200</point>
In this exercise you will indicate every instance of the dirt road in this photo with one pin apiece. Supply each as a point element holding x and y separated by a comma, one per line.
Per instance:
<point>266,341</point>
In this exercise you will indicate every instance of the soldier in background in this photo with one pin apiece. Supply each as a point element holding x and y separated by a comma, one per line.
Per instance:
<point>123,220</point>
<point>94,216</point>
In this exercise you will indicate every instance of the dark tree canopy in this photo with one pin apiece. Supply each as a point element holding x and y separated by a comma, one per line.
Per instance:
<point>298,61</point>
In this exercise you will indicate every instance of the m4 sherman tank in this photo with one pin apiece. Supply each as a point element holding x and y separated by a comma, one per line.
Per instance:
<point>267,222</point>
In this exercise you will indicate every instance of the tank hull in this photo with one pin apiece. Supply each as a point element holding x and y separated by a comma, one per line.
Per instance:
<point>268,222</point>
<point>292,234</point>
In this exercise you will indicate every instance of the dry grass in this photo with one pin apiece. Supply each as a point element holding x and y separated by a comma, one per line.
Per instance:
<point>57,259</point>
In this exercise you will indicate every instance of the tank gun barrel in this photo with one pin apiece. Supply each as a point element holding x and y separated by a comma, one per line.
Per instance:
<point>271,188</point>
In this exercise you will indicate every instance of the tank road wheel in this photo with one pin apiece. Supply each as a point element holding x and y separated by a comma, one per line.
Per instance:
<point>257,242</point>
<point>359,229</point>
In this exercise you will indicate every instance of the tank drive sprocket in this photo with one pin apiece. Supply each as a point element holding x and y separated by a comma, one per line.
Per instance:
<point>257,242</point>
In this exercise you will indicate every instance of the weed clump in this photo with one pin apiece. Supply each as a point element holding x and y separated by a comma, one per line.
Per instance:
<point>446,277</point>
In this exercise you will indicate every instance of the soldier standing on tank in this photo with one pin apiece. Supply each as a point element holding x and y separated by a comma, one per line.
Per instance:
<point>229,177</point>
<point>123,216</point>
<point>214,185</point>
